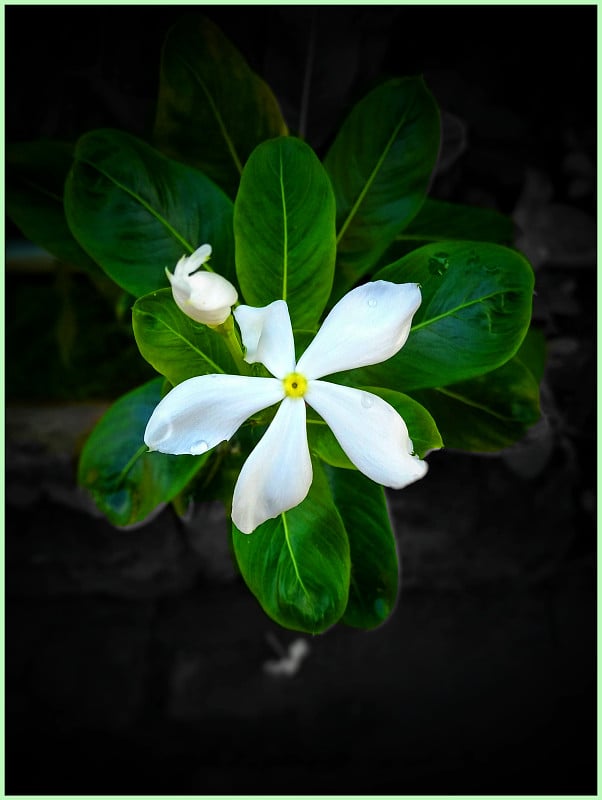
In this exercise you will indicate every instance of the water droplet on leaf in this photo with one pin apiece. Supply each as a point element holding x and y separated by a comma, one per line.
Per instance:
<point>198,448</point>
<point>438,264</point>
<point>381,608</point>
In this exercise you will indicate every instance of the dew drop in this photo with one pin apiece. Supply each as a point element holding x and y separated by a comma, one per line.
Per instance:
<point>491,268</point>
<point>438,264</point>
<point>198,448</point>
<point>367,401</point>
<point>381,608</point>
<point>372,302</point>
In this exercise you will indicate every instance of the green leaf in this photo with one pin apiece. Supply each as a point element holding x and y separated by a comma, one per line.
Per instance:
<point>475,312</point>
<point>439,221</point>
<point>380,165</point>
<point>174,344</point>
<point>284,227</point>
<point>212,108</point>
<point>125,480</point>
<point>421,427</point>
<point>374,565</point>
<point>533,353</point>
<point>136,212</point>
<point>297,565</point>
<point>486,413</point>
<point>35,178</point>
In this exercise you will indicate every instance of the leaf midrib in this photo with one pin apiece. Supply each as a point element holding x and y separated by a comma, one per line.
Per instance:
<point>284,232</point>
<point>292,555</point>
<point>452,311</point>
<point>182,338</point>
<point>218,117</point>
<point>153,212</point>
<point>479,406</point>
<point>372,177</point>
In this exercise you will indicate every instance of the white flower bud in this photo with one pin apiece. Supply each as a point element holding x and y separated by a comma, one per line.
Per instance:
<point>205,296</point>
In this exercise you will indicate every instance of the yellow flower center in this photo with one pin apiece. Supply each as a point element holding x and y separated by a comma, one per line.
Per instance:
<point>295,384</point>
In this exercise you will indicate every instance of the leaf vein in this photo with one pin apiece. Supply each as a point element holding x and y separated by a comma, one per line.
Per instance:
<point>186,341</point>
<point>292,555</point>
<point>152,211</point>
<point>372,177</point>
<point>284,234</point>
<point>216,113</point>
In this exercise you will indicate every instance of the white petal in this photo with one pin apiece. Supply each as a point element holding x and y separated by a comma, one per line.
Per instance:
<point>188,264</point>
<point>202,412</point>
<point>368,325</point>
<point>205,296</point>
<point>278,473</point>
<point>370,431</point>
<point>267,335</point>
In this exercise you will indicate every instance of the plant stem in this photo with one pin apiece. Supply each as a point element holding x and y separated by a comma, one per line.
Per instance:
<point>228,331</point>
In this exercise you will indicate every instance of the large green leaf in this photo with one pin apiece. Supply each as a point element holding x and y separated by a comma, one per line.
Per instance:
<point>380,165</point>
<point>174,344</point>
<point>35,179</point>
<point>297,565</point>
<point>475,311</point>
<point>136,212</point>
<point>284,226</point>
<point>125,480</point>
<point>421,427</point>
<point>439,221</point>
<point>492,411</point>
<point>212,109</point>
<point>374,565</point>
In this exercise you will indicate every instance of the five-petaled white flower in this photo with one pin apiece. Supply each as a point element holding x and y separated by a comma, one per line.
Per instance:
<point>367,326</point>
<point>205,296</point>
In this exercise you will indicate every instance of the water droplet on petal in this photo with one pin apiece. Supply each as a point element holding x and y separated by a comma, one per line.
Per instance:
<point>367,401</point>
<point>372,302</point>
<point>198,448</point>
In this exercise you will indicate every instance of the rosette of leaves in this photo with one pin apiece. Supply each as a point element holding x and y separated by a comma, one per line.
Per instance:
<point>283,224</point>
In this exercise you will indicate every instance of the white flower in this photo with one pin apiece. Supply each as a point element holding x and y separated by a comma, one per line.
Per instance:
<point>367,326</point>
<point>204,296</point>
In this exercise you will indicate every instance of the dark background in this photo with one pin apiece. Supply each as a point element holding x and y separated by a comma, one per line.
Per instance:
<point>135,660</point>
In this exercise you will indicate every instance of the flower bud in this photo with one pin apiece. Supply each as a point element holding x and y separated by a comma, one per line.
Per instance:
<point>204,296</point>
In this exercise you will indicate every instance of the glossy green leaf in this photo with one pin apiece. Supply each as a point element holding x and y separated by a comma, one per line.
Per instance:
<point>421,427</point>
<point>475,311</point>
<point>284,227</point>
<point>35,179</point>
<point>126,481</point>
<point>212,108</point>
<point>533,353</point>
<point>439,221</point>
<point>174,344</point>
<point>491,411</point>
<point>486,413</point>
<point>374,564</point>
<point>297,565</point>
<point>136,212</point>
<point>380,165</point>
